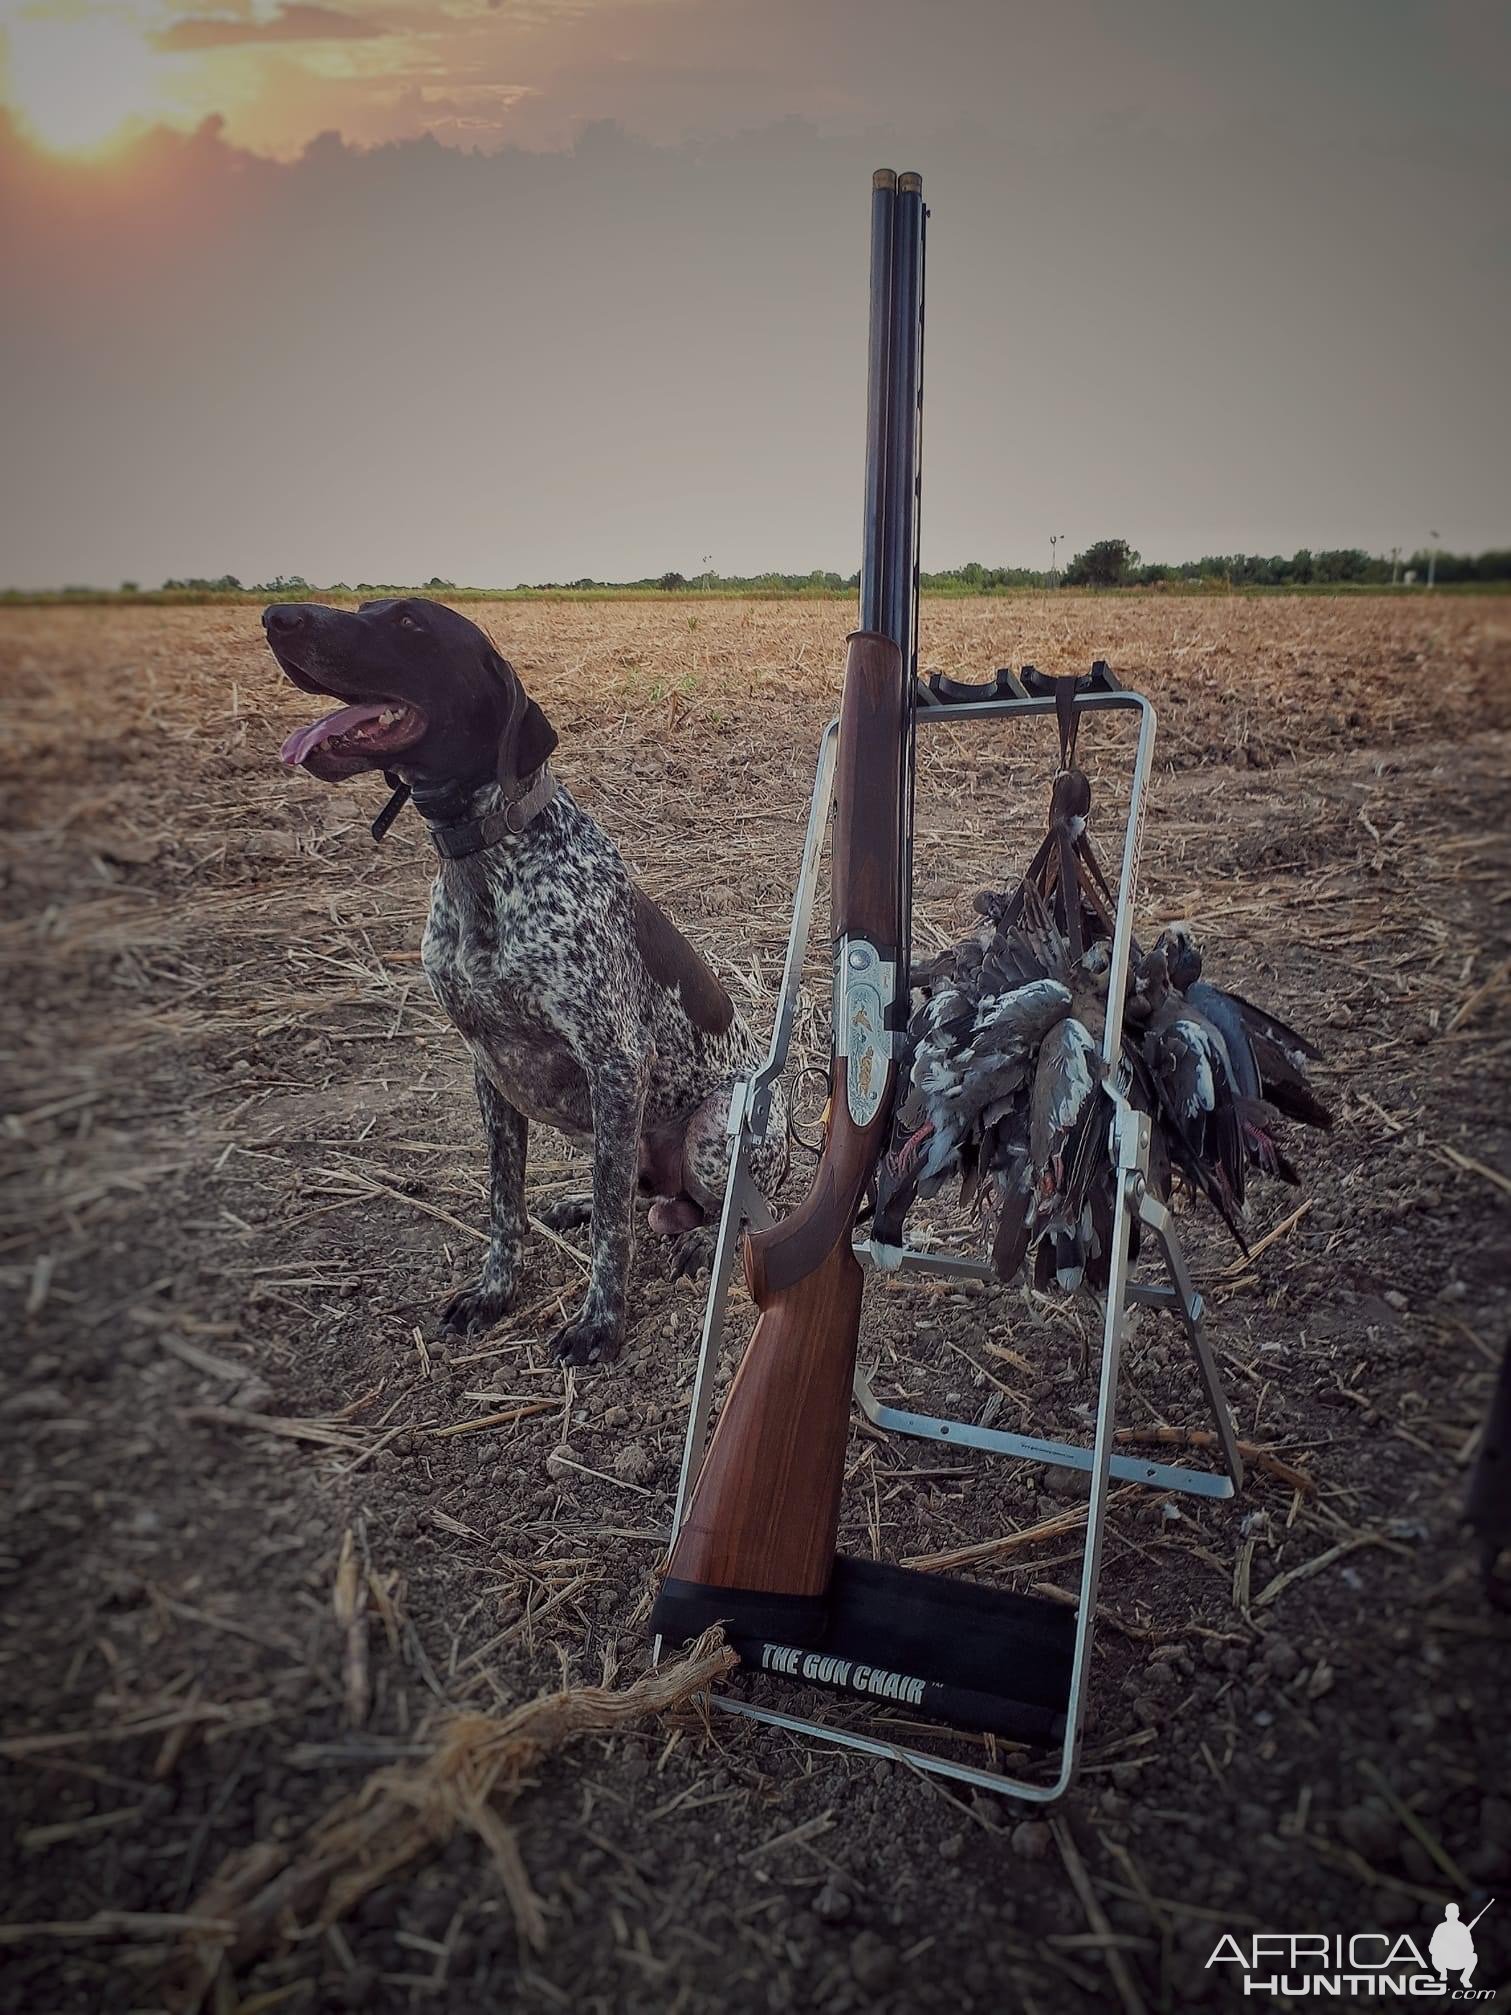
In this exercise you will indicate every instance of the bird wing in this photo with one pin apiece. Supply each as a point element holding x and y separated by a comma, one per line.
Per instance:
<point>1195,1109</point>
<point>1283,1084</point>
<point>1014,1228</point>
<point>1262,1022</point>
<point>1019,1019</point>
<point>1222,1013</point>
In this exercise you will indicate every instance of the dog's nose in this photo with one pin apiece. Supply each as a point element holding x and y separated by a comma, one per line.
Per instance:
<point>282,619</point>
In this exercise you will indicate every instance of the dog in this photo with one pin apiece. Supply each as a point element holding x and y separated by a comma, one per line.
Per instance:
<point>582,1004</point>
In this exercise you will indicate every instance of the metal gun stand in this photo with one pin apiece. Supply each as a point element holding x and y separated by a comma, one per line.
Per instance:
<point>743,1204</point>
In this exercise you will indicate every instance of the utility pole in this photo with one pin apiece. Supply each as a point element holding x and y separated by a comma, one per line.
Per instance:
<point>1395,565</point>
<point>1054,564</point>
<point>1432,559</point>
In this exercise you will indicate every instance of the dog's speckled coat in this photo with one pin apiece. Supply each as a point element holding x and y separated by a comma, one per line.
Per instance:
<point>534,947</point>
<point>583,1006</point>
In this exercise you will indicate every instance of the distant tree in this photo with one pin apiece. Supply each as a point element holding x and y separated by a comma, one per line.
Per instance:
<point>435,581</point>
<point>131,587</point>
<point>1463,566</point>
<point>1104,565</point>
<point>1341,563</point>
<point>670,581</point>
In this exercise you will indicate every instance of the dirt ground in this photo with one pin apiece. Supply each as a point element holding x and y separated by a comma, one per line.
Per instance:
<point>243,1170</point>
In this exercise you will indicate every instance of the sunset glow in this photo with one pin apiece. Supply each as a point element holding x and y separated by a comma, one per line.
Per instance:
<point>79,76</point>
<point>80,80</point>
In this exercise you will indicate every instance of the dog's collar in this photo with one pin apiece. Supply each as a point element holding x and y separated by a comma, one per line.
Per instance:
<point>456,840</point>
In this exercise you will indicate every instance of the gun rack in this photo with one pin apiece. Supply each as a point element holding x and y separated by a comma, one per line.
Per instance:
<point>1007,696</point>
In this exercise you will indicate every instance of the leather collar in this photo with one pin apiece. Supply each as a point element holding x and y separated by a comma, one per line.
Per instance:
<point>506,821</point>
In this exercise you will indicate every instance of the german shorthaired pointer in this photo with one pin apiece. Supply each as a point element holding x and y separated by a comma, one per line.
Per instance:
<point>582,1004</point>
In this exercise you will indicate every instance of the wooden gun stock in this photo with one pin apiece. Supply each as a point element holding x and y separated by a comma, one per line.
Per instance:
<point>764,1512</point>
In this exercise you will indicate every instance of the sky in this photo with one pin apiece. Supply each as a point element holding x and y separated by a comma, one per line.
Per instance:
<point>521,290</point>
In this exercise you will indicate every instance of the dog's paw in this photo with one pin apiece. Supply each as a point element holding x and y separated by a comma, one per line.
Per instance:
<point>477,1308</point>
<point>567,1213</point>
<point>589,1340</point>
<point>693,1253</point>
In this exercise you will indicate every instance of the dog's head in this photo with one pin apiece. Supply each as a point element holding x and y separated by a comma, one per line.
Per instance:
<point>425,694</point>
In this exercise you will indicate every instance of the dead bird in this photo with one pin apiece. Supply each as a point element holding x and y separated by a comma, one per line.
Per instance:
<point>1006,1086</point>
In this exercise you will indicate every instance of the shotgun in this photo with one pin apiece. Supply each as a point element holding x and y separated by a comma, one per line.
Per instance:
<point>780,1440</point>
<point>757,1548</point>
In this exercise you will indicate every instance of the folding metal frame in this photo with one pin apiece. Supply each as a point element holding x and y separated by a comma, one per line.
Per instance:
<point>1130,1140</point>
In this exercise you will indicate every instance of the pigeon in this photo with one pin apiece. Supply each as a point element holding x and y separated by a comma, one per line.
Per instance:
<point>1004,1086</point>
<point>1191,1071</point>
<point>1064,1107</point>
<point>963,1066</point>
<point>1266,1058</point>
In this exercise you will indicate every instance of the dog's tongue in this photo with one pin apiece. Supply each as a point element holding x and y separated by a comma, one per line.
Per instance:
<point>302,740</point>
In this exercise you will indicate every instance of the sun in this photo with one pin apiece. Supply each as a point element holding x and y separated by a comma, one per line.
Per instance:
<point>78,80</point>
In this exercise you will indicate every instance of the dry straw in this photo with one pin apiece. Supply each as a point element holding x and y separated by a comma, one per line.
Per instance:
<point>476,1767</point>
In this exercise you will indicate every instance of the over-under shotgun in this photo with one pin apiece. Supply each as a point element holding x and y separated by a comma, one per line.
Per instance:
<point>756,1549</point>
<point>765,1509</point>
<point>764,1512</point>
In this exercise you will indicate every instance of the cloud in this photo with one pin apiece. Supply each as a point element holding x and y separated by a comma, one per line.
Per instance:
<point>295,21</point>
<point>529,362</point>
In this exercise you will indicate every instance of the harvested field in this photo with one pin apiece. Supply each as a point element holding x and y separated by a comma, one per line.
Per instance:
<point>263,1526</point>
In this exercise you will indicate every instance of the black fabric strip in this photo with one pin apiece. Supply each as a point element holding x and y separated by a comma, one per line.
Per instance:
<point>982,1657</point>
<point>911,1695</point>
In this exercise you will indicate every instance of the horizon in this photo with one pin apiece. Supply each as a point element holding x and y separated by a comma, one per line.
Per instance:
<point>1208,569</point>
<point>1218,285</point>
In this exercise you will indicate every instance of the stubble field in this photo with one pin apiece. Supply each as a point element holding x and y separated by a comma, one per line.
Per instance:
<point>245,1478</point>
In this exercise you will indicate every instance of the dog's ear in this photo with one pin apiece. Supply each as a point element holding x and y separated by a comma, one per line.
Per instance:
<point>534,742</point>
<point>528,737</point>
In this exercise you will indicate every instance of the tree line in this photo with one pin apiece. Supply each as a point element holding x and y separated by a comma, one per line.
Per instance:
<point>1112,563</point>
<point>1107,563</point>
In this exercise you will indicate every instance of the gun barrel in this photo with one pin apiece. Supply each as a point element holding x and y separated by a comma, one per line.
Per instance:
<point>894,392</point>
<point>873,546</point>
<point>905,393</point>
